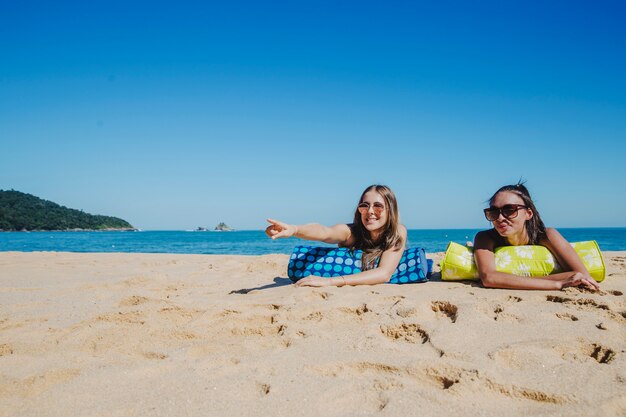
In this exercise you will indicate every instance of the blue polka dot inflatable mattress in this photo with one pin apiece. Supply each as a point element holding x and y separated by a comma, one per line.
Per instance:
<point>334,262</point>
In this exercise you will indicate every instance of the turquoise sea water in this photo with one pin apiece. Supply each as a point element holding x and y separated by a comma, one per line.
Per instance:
<point>252,242</point>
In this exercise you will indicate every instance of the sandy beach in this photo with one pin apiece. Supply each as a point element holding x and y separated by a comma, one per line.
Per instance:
<point>196,335</point>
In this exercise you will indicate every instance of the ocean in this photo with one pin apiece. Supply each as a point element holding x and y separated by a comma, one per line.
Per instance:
<point>247,242</point>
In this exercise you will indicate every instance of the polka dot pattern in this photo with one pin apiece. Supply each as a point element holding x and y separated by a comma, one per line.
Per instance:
<point>334,262</point>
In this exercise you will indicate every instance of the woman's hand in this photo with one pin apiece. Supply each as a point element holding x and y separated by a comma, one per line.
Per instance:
<point>579,279</point>
<point>278,229</point>
<point>313,281</point>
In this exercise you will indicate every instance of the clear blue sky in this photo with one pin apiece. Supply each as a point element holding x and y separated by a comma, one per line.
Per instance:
<point>184,114</point>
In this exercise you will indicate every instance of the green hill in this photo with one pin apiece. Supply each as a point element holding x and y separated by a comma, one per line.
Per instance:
<point>21,211</point>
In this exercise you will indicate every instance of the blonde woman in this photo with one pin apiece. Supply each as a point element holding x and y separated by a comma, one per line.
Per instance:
<point>376,230</point>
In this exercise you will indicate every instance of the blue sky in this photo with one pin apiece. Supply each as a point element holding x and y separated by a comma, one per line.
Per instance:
<point>179,115</point>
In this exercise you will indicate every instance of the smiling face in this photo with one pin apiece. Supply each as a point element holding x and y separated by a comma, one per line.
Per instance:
<point>374,219</point>
<point>512,229</point>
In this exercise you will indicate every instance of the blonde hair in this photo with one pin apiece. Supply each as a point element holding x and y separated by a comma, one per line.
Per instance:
<point>390,237</point>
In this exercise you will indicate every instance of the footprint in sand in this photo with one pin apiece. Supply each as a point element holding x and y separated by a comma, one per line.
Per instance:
<point>405,312</point>
<point>154,355</point>
<point>314,316</point>
<point>129,317</point>
<point>581,353</point>
<point>411,333</point>
<point>449,377</point>
<point>261,331</point>
<point>358,311</point>
<point>567,316</point>
<point>264,389</point>
<point>582,302</point>
<point>37,384</point>
<point>501,315</point>
<point>266,328</point>
<point>445,377</point>
<point>445,309</point>
<point>378,377</point>
<point>600,353</point>
<point>271,307</point>
<point>229,312</point>
<point>179,314</point>
<point>133,301</point>
<point>322,294</point>
<point>558,299</point>
<point>587,302</point>
<point>6,349</point>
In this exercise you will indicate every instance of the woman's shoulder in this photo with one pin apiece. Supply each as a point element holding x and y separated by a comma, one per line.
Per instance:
<point>488,239</point>
<point>551,231</point>
<point>347,230</point>
<point>343,226</point>
<point>551,235</point>
<point>404,235</point>
<point>488,235</point>
<point>484,233</point>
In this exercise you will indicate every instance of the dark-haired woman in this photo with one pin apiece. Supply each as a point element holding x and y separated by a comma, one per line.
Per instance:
<point>376,230</point>
<point>516,222</point>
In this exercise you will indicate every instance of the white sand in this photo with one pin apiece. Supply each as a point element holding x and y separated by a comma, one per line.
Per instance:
<point>192,335</point>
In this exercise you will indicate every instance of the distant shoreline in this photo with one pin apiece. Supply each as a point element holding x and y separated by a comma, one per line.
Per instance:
<point>261,230</point>
<point>75,230</point>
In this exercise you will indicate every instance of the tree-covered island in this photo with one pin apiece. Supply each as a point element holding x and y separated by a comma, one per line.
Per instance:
<point>25,212</point>
<point>223,227</point>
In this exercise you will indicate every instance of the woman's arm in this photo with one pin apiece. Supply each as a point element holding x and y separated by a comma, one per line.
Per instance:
<point>389,261</point>
<point>484,247</point>
<point>567,257</point>
<point>338,234</point>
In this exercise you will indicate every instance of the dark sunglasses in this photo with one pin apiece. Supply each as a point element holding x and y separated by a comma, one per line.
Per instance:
<point>508,211</point>
<point>377,207</point>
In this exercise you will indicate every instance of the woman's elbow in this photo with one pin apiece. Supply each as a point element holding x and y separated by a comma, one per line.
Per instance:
<point>383,276</point>
<point>487,279</point>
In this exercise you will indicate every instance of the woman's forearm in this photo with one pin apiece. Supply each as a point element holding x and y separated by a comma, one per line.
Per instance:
<point>370,277</point>
<point>318,232</point>
<point>503,280</point>
<point>311,231</point>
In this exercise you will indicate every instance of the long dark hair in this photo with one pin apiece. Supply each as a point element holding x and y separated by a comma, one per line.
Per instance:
<point>535,229</point>
<point>390,237</point>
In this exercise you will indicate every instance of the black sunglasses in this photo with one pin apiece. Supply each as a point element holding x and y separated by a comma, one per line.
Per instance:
<point>508,211</point>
